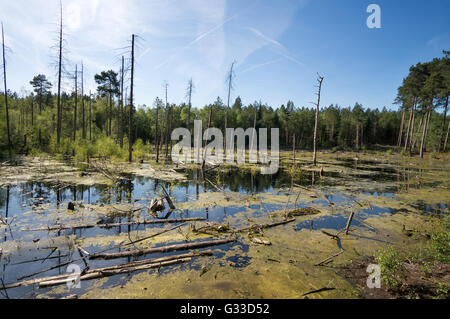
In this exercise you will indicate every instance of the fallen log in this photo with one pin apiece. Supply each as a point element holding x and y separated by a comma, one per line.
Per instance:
<point>349,222</point>
<point>335,237</point>
<point>103,251</point>
<point>318,290</point>
<point>107,273</point>
<point>329,258</point>
<point>105,269</point>
<point>164,249</point>
<point>145,222</point>
<point>260,227</point>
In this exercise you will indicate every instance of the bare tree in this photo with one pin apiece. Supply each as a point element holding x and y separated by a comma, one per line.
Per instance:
<point>6,95</point>
<point>130,119</point>
<point>230,78</point>
<point>83,120</point>
<point>167,138</point>
<point>122,78</point>
<point>319,81</point>
<point>60,56</point>
<point>90,116</point>
<point>189,91</point>
<point>157,129</point>
<point>75,107</point>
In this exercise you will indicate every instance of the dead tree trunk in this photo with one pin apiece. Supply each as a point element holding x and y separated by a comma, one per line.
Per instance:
<point>75,107</point>
<point>320,81</point>
<point>167,121</point>
<point>90,116</point>
<point>83,119</point>
<point>6,96</point>
<point>190,90</point>
<point>230,87</point>
<point>130,120</point>
<point>59,107</point>
<point>121,103</point>
<point>206,148</point>
<point>157,131</point>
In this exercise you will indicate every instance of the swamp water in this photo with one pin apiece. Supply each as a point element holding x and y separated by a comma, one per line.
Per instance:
<point>384,195</point>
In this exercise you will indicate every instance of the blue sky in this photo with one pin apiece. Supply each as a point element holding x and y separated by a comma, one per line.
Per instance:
<point>278,46</point>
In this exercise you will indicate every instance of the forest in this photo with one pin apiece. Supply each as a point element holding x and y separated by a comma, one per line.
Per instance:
<point>106,122</point>
<point>88,189</point>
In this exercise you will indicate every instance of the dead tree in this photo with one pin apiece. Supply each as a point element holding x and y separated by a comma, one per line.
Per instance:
<point>6,96</point>
<point>157,129</point>
<point>83,119</point>
<point>230,87</point>
<point>75,107</point>
<point>209,126</point>
<point>167,138</point>
<point>190,90</point>
<point>130,119</point>
<point>90,116</point>
<point>122,76</point>
<point>60,56</point>
<point>319,81</point>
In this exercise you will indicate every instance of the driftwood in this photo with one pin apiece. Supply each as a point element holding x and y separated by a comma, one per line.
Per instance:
<point>335,237</point>
<point>145,222</point>
<point>349,222</point>
<point>329,258</point>
<point>316,193</point>
<point>64,278</point>
<point>318,290</point>
<point>103,251</point>
<point>168,199</point>
<point>141,252</point>
<point>100,274</point>
<point>261,227</point>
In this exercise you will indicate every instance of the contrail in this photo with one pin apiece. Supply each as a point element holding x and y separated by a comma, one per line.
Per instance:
<point>278,44</point>
<point>197,39</point>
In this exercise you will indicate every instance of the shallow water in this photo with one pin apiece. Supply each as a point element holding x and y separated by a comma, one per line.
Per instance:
<point>254,197</point>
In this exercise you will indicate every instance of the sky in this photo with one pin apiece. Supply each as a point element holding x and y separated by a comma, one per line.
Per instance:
<point>279,46</point>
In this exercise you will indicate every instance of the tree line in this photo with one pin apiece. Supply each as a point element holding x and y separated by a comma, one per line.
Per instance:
<point>106,122</point>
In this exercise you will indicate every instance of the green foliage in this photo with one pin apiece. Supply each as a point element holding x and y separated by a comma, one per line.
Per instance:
<point>440,241</point>
<point>392,270</point>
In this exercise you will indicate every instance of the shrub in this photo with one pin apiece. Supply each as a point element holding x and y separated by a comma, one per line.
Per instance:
<point>392,270</point>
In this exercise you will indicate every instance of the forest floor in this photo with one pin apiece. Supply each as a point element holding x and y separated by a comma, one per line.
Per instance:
<point>398,203</point>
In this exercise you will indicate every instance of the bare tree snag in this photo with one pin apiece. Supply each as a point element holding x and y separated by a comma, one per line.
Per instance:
<point>319,81</point>
<point>6,96</point>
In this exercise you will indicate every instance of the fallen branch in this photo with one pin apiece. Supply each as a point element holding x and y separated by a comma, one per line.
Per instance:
<point>103,251</point>
<point>336,237</point>
<point>107,273</point>
<point>260,227</point>
<point>329,258</point>
<point>317,291</point>
<point>65,277</point>
<point>349,222</point>
<point>145,222</point>
<point>169,200</point>
<point>164,249</point>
